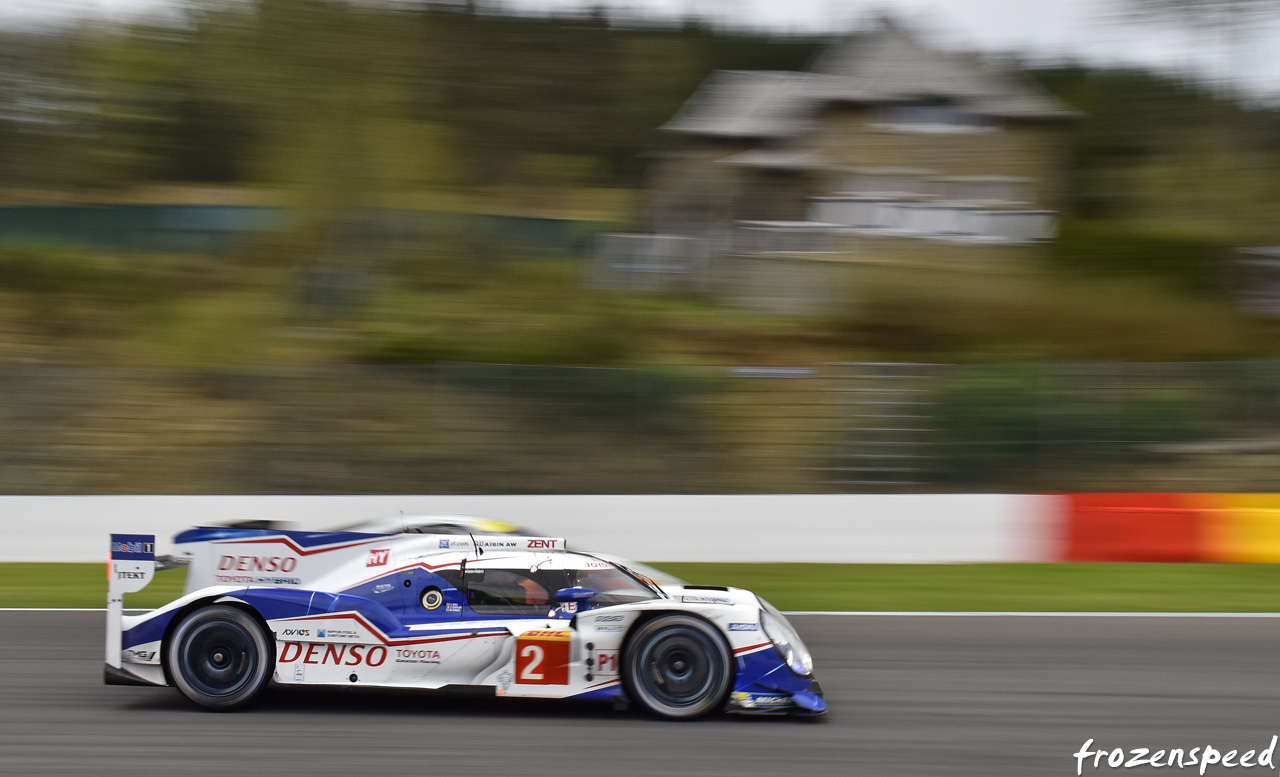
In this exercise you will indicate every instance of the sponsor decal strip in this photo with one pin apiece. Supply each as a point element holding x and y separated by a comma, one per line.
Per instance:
<point>333,654</point>
<point>483,631</point>
<point>133,547</point>
<point>751,648</point>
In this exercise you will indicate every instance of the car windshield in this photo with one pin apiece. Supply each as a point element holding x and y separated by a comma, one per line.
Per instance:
<point>615,585</point>
<point>507,592</point>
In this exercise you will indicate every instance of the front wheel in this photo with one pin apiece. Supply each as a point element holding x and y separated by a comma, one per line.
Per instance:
<point>677,667</point>
<point>220,658</point>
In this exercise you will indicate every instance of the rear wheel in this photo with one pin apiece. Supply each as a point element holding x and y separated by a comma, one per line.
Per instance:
<point>220,657</point>
<point>677,667</point>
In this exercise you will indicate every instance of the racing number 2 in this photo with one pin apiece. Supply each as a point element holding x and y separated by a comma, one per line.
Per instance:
<point>530,673</point>
<point>542,658</point>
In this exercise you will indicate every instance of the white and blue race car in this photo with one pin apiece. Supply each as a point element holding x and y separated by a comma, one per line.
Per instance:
<point>492,615</point>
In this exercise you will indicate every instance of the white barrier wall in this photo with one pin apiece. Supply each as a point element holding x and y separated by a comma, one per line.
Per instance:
<point>842,528</point>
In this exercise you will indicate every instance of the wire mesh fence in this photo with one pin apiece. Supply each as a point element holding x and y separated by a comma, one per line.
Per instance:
<point>437,429</point>
<point>1056,427</point>
<point>517,429</point>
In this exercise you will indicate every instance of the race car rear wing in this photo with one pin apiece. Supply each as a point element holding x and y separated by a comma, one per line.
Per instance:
<point>132,565</point>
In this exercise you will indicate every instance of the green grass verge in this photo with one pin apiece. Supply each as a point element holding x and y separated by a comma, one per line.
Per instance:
<point>990,587</point>
<point>79,585</point>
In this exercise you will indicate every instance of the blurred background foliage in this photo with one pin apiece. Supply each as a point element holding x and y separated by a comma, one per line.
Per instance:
<point>341,110</point>
<point>350,101</point>
<point>445,170</point>
<point>347,103</point>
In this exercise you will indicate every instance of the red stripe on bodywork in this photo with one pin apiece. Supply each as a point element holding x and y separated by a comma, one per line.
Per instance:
<point>604,684</point>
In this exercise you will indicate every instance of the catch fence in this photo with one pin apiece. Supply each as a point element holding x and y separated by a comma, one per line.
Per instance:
<point>498,429</point>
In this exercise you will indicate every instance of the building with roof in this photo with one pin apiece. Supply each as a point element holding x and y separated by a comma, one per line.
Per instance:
<point>879,115</point>
<point>884,138</point>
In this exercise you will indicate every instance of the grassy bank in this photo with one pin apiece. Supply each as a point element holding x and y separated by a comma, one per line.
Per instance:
<point>78,585</point>
<point>943,587</point>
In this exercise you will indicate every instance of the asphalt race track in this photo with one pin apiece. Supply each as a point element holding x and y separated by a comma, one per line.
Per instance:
<point>908,695</point>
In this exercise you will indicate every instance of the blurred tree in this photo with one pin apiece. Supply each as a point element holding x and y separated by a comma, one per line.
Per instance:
<point>1237,24</point>
<point>1236,21</point>
<point>657,74</point>
<point>326,98</point>
<point>133,81</point>
<point>1206,13</point>
<point>39,110</point>
<point>356,104</point>
<point>1157,149</point>
<point>350,101</point>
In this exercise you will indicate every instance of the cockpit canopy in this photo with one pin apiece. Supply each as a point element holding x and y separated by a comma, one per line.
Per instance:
<point>504,587</point>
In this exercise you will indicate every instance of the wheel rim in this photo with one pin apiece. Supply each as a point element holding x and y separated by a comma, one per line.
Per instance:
<point>219,657</point>
<point>677,669</point>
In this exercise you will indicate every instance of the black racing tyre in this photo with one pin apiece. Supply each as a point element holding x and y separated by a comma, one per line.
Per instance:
<point>220,657</point>
<point>677,667</point>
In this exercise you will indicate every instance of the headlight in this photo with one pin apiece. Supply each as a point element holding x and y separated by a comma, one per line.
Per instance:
<point>785,639</point>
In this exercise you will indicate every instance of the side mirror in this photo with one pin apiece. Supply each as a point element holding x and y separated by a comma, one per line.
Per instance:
<point>565,595</point>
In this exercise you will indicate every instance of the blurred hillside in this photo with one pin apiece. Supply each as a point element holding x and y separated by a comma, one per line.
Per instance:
<point>344,105</point>
<point>432,181</point>
<point>348,104</point>
<point>1175,157</point>
<point>336,109</point>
